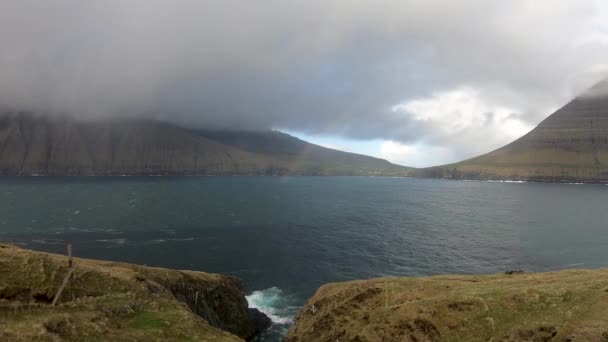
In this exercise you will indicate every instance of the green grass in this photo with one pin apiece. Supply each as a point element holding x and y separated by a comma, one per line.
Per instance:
<point>569,304</point>
<point>115,301</point>
<point>148,320</point>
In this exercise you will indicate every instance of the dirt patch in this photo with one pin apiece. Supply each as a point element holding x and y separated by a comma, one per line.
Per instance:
<point>512,272</point>
<point>365,295</point>
<point>461,306</point>
<point>418,329</point>
<point>43,298</point>
<point>540,334</point>
<point>60,326</point>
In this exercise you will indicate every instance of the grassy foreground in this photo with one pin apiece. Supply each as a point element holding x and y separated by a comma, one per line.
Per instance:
<point>569,305</point>
<point>118,302</point>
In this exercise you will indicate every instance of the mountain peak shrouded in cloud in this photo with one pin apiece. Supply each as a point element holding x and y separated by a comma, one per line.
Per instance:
<point>571,145</point>
<point>32,144</point>
<point>599,89</point>
<point>334,68</point>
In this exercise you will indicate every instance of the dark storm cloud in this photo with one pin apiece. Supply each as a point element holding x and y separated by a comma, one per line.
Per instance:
<point>320,67</point>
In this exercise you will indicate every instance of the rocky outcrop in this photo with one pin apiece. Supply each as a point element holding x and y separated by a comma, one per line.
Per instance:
<point>118,301</point>
<point>221,304</point>
<point>571,145</point>
<point>568,305</point>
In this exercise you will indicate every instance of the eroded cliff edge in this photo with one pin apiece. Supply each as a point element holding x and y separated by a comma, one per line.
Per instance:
<point>119,301</point>
<point>569,305</point>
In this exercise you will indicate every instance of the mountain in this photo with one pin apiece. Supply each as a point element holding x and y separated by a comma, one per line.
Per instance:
<point>50,145</point>
<point>571,145</point>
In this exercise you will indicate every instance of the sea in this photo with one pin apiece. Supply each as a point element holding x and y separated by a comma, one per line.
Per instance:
<point>286,236</point>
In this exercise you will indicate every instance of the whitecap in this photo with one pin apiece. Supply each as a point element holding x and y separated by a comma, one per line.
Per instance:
<point>154,241</point>
<point>272,303</point>
<point>506,181</point>
<point>113,241</point>
<point>182,239</point>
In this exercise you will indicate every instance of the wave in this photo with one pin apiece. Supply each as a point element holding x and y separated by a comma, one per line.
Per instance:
<point>506,181</point>
<point>273,303</point>
<point>155,241</point>
<point>163,240</point>
<point>114,242</point>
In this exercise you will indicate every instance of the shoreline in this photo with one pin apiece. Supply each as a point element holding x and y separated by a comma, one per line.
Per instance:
<point>177,176</point>
<point>115,300</point>
<point>567,305</point>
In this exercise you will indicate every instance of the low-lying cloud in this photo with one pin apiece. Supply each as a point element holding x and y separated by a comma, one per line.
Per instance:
<point>337,68</point>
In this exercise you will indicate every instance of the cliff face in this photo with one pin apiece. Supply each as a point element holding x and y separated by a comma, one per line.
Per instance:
<point>571,145</point>
<point>117,301</point>
<point>560,306</point>
<point>43,145</point>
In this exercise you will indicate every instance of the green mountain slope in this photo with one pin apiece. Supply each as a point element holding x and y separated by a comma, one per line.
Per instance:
<point>306,157</point>
<point>571,145</point>
<point>41,145</point>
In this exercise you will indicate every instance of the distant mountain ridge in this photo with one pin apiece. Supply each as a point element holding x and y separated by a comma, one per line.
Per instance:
<point>571,145</point>
<point>61,146</point>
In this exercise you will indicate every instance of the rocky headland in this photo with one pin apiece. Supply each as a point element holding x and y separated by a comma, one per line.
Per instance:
<point>118,302</point>
<point>569,305</point>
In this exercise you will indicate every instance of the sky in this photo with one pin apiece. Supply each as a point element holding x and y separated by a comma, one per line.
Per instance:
<point>418,82</point>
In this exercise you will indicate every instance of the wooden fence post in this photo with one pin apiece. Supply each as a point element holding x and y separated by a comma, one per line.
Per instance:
<point>65,281</point>
<point>68,277</point>
<point>71,265</point>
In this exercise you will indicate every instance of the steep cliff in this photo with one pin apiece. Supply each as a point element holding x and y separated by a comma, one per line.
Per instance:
<point>571,145</point>
<point>559,306</point>
<point>117,301</point>
<point>53,145</point>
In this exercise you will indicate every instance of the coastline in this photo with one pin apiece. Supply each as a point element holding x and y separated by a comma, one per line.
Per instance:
<point>542,180</point>
<point>568,305</point>
<point>122,301</point>
<point>118,301</point>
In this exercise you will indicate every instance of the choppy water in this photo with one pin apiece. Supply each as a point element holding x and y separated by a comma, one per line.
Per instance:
<point>287,236</point>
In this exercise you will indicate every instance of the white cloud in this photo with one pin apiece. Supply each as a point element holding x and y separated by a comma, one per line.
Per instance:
<point>319,67</point>
<point>337,147</point>
<point>416,155</point>
<point>460,121</point>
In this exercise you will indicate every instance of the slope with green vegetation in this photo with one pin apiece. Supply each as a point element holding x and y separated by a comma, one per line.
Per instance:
<point>62,146</point>
<point>118,302</point>
<point>569,305</point>
<point>571,145</point>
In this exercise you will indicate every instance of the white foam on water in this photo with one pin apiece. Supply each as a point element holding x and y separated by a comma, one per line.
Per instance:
<point>506,181</point>
<point>155,241</point>
<point>272,303</point>
<point>113,241</point>
<point>182,239</point>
